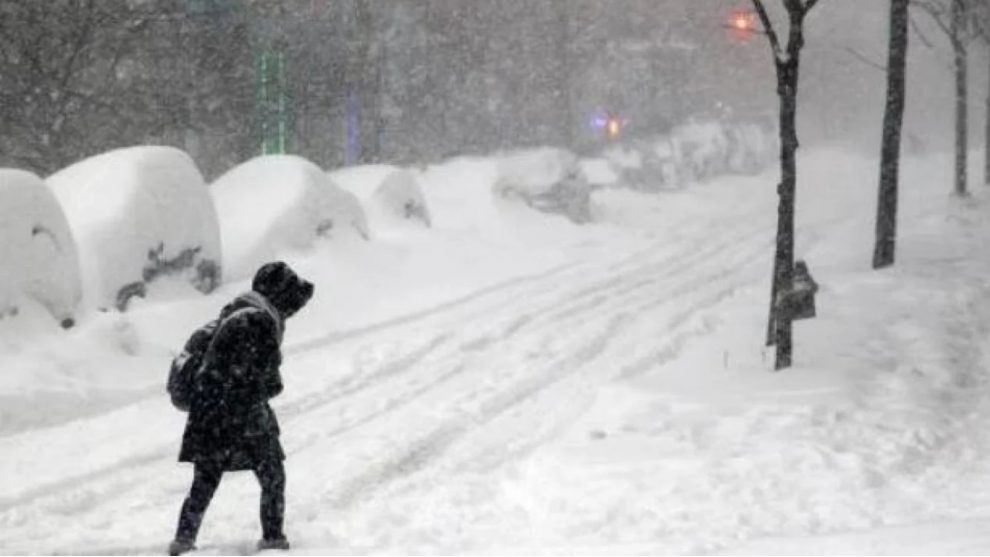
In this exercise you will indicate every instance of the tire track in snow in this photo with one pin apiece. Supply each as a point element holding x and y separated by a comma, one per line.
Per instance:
<point>480,343</point>
<point>427,448</point>
<point>357,382</point>
<point>417,456</point>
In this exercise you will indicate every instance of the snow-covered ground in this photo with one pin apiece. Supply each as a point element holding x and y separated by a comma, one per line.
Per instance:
<point>509,382</point>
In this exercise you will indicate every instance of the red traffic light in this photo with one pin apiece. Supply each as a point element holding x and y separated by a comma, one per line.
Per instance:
<point>744,21</point>
<point>743,24</point>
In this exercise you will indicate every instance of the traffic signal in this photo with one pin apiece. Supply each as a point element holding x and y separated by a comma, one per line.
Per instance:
<point>743,24</point>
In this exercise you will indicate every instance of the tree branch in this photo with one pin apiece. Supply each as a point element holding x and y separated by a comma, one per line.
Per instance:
<point>778,54</point>
<point>921,34</point>
<point>865,60</point>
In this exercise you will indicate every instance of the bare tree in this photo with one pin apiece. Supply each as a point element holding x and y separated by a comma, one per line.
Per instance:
<point>982,22</point>
<point>890,156</point>
<point>957,35</point>
<point>60,86</point>
<point>787,61</point>
<point>956,19</point>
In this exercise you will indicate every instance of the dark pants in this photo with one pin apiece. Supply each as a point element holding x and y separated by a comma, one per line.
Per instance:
<point>206,479</point>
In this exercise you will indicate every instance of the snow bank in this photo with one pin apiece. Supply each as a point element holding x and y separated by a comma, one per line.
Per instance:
<point>548,180</point>
<point>139,214</point>
<point>39,255</point>
<point>391,196</point>
<point>277,202</point>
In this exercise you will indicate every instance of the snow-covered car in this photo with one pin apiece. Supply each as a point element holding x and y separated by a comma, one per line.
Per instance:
<point>39,254</point>
<point>391,196</point>
<point>275,202</point>
<point>548,180</point>
<point>138,214</point>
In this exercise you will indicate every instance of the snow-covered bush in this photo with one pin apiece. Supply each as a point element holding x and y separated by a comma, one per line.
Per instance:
<point>391,196</point>
<point>271,203</point>
<point>548,180</point>
<point>39,254</point>
<point>138,214</point>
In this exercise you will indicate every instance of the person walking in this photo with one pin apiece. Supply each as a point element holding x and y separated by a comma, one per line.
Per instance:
<point>231,426</point>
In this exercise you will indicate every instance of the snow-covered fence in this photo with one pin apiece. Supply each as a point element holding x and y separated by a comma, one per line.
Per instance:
<point>39,254</point>
<point>281,201</point>
<point>138,214</point>
<point>548,180</point>
<point>691,153</point>
<point>391,196</point>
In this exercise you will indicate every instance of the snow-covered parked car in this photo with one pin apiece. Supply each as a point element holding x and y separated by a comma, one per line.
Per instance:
<point>645,165</point>
<point>138,214</point>
<point>549,180</point>
<point>690,153</point>
<point>39,254</point>
<point>276,202</point>
<point>600,172</point>
<point>391,196</point>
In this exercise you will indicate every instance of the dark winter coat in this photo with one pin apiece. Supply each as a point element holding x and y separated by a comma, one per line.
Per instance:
<point>230,421</point>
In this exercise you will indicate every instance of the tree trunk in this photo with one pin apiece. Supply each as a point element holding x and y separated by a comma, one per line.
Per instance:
<point>962,94</point>
<point>784,258</point>
<point>788,66</point>
<point>886,226</point>
<point>986,158</point>
<point>565,85</point>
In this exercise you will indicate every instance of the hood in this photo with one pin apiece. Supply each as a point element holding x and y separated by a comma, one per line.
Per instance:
<point>282,287</point>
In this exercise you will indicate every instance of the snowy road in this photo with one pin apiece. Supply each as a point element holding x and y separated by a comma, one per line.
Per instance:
<point>388,411</point>
<point>613,403</point>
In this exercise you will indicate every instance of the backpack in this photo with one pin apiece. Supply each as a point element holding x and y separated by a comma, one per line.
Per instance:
<point>185,366</point>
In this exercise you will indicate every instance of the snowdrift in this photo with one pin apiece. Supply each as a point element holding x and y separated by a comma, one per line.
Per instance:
<point>276,202</point>
<point>139,214</point>
<point>693,152</point>
<point>549,180</point>
<point>390,196</point>
<point>40,258</point>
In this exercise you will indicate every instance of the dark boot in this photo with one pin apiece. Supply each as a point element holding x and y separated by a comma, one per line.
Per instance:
<point>178,547</point>
<point>279,543</point>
